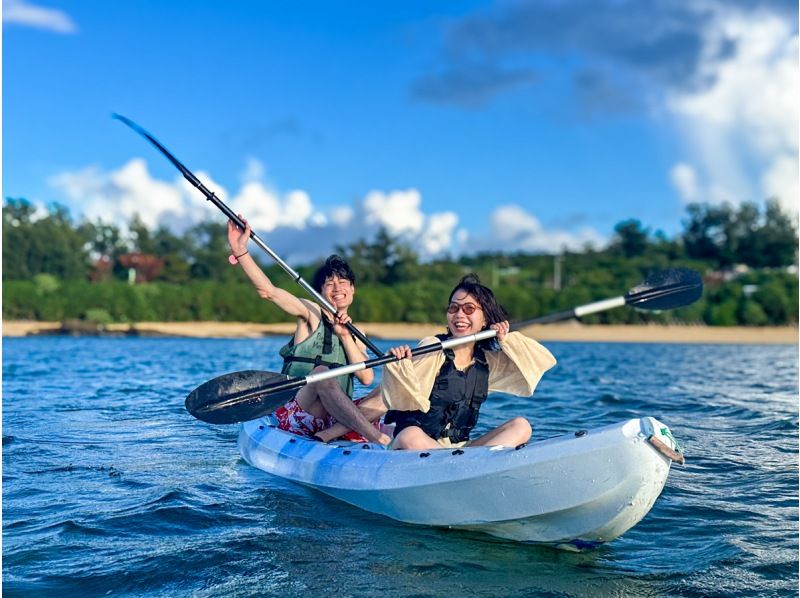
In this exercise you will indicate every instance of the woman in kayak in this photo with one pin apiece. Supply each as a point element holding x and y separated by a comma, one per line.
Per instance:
<point>435,399</point>
<point>319,342</point>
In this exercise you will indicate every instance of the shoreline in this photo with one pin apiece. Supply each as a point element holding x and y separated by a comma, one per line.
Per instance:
<point>567,332</point>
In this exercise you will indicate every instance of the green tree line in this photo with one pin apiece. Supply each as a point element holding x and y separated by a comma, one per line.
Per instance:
<point>55,268</point>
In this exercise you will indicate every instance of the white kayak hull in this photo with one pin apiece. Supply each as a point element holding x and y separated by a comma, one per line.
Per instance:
<point>575,491</point>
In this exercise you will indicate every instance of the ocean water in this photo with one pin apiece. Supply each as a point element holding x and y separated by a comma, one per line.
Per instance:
<point>111,488</point>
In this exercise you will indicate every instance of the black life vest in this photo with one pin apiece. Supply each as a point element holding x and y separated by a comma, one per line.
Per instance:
<point>456,400</point>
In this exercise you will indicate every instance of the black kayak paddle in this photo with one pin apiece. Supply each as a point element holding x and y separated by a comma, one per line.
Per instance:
<point>243,396</point>
<point>189,176</point>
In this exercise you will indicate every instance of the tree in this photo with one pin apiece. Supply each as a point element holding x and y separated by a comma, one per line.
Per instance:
<point>744,236</point>
<point>49,245</point>
<point>141,237</point>
<point>631,238</point>
<point>704,235</point>
<point>777,237</point>
<point>208,247</point>
<point>385,260</point>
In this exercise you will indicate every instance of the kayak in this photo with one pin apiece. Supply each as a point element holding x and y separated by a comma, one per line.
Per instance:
<point>575,491</point>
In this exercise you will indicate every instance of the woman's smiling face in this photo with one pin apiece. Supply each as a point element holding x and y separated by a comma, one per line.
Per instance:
<point>459,321</point>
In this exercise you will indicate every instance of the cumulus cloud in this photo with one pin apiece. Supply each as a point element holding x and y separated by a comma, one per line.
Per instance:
<point>117,195</point>
<point>253,170</point>
<point>684,178</point>
<point>398,211</point>
<point>19,12</point>
<point>294,227</point>
<point>747,118</point>
<point>512,228</point>
<point>725,70</point>
<point>291,219</point>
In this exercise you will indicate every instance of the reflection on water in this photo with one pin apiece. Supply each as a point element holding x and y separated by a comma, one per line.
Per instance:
<point>110,486</point>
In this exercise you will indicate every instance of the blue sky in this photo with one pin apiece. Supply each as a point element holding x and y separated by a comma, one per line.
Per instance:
<point>459,126</point>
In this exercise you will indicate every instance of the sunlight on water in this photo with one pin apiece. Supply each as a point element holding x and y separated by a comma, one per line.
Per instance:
<point>109,486</point>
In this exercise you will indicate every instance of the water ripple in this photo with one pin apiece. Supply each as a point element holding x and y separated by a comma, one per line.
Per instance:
<point>110,487</point>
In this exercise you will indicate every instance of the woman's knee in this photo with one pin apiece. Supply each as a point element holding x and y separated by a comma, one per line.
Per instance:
<point>411,438</point>
<point>521,428</point>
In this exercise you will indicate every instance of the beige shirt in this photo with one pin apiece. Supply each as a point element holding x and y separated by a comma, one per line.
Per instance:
<point>515,369</point>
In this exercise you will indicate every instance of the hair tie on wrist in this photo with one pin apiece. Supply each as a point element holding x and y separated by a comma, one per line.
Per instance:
<point>234,259</point>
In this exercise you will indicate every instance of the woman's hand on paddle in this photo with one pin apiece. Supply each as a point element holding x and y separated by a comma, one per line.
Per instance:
<point>401,352</point>
<point>502,329</point>
<point>238,238</point>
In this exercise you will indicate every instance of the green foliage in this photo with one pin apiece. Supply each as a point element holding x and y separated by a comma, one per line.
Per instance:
<point>97,315</point>
<point>726,236</point>
<point>53,271</point>
<point>631,238</point>
<point>46,283</point>
<point>49,245</point>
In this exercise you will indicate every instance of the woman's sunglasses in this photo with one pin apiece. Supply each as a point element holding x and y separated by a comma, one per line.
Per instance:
<point>467,308</point>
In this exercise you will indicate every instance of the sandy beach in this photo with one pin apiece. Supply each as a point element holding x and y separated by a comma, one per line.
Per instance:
<point>570,332</point>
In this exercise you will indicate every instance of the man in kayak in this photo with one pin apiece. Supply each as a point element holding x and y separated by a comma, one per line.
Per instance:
<point>434,399</point>
<point>320,341</point>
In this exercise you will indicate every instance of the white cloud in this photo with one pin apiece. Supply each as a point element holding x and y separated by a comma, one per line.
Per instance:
<point>297,210</point>
<point>290,223</point>
<point>512,228</point>
<point>24,13</point>
<point>341,215</point>
<point>780,179</point>
<point>254,170</point>
<point>746,120</point>
<point>437,238</point>
<point>116,196</point>
<point>684,178</point>
<point>398,211</point>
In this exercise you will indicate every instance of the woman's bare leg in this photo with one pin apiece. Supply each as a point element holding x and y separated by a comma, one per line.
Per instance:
<point>512,433</point>
<point>414,439</point>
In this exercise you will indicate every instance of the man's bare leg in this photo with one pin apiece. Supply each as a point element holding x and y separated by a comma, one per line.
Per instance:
<point>371,407</point>
<point>345,411</point>
<point>326,397</point>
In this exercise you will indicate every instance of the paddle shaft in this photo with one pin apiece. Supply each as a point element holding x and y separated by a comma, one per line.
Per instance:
<point>685,290</point>
<point>583,310</point>
<point>350,369</point>
<point>637,298</point>
<point>189,176</point>
<point>667,290</point>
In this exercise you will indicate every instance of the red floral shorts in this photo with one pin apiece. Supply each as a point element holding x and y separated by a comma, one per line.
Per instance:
<point>293,418</point>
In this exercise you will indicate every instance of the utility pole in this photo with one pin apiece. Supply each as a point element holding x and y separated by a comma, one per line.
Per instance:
<point>557,272</point>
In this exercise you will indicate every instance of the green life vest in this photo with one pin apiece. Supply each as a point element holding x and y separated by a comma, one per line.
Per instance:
<point>322,347</point>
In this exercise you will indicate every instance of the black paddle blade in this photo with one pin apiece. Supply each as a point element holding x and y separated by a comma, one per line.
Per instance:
<point>229,399</point>
<point>666,289</point>
<point>184,171</point>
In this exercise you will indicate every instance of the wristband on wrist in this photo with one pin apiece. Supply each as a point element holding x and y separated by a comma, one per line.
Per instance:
<point>234,259</point>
